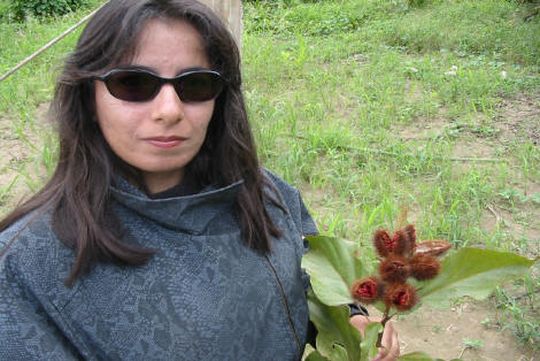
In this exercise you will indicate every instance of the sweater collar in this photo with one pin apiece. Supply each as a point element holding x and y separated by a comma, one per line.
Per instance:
<point>195,213</point>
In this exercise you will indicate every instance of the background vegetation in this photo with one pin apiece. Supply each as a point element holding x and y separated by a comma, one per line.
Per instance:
<point>19,10</point>
<point>371,108</point>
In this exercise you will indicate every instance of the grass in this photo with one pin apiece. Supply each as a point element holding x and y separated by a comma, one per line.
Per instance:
<point>372,108</point>
<point>23,92</point>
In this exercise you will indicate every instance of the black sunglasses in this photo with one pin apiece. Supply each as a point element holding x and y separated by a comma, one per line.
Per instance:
<point>138,85</point>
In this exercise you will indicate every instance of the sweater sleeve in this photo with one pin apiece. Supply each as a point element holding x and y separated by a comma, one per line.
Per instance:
<point>26,331</point>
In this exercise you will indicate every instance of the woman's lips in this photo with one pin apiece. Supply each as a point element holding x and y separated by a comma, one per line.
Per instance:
<point>165,142</point>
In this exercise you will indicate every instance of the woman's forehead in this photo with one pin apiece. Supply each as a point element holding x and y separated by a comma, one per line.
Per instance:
<point>167,44</point>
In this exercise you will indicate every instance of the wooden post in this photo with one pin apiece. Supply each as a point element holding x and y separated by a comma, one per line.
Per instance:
<point>230,11</point>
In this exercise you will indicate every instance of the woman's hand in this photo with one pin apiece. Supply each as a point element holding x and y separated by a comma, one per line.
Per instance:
<point>390,342</point>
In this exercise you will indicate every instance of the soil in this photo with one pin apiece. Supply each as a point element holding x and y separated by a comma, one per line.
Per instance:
<point>12,152</point>
<point>16,157</point>
<point>519,118</point>
<point>446,333</point>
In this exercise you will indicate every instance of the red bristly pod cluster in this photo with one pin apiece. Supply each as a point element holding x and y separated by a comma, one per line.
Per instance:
<point>400,258</point>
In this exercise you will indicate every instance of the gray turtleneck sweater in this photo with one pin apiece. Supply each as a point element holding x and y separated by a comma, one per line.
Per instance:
<point>203,296</point>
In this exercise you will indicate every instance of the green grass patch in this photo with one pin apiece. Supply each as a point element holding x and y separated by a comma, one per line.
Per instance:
<point>375,113</point>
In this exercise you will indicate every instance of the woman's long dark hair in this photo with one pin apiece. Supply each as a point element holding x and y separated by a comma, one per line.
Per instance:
<point>79,192</point>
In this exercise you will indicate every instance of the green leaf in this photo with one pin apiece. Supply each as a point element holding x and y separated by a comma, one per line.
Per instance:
<point>368,346</point>
<point>333,267</point>
<point>339,353</point>
<point>316,356</point>
<point>472,272</point>
<point>337,339</point>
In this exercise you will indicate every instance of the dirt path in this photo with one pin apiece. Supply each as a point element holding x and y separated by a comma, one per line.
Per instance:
<point>445,334</point>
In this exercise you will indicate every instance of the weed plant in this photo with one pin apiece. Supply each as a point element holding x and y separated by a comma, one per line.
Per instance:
<point>371,108</point>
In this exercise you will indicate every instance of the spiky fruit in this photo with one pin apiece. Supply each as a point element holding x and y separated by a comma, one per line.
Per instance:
<point>394,269</point>
<point>424,267</point>
<point>401,296</point>
<point>366,290</point>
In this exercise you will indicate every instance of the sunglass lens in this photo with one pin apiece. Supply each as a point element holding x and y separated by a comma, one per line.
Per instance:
<point>132,86</point>
<point>199,87</point>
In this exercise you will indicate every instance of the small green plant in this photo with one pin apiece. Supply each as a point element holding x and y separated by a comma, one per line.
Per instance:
<point>472,343</point>
<point>6,190</point>
<point>486,322</point>
<point>335,266</point>
<point>521,315</point>
<point>513,196</point>
<point>43,8</point>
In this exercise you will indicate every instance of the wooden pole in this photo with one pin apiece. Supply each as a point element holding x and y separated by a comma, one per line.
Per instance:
<point>230,11</point>
<point>49,44</point>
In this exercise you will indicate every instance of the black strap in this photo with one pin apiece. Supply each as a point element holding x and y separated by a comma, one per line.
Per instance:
<point>356,309</point>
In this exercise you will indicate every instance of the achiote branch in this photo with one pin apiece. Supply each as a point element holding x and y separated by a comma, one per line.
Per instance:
<point>400,258</point>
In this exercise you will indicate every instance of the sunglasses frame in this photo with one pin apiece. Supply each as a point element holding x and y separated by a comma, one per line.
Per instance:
<point>175,82</point>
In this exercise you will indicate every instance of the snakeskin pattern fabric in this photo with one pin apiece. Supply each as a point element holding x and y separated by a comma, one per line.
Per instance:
<point>204,295</point>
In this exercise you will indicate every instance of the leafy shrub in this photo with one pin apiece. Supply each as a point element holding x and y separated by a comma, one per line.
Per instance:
<point>284,2</point>
<point>417,3</point>
<point>289,17</point>
<point>20,9</point>
<point>4,9</point>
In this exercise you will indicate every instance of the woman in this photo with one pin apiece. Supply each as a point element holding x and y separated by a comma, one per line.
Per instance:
<point>159,236</point>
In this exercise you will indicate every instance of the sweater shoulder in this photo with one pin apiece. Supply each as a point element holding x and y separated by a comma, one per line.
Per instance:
<point>286,191</point>
<point>29,248</point>
<point>293,202</point>
<point>29,233</point>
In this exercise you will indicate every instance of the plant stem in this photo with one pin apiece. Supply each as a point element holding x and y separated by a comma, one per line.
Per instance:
<point>385,319</point>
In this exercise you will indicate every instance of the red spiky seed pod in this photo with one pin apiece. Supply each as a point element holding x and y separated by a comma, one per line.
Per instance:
<point>402,243</point>
<point>424,267</point>
<point>383,243</point>
<point>410,231</point>
<point>366,290</point>
<point>401,296</point>
<point>394,269</point>
<point>435,247</point>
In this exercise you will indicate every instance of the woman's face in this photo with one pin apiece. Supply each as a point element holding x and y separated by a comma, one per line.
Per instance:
<point>160,136</point>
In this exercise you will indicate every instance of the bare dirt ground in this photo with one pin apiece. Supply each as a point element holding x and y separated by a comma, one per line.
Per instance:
<point>19,150</point>
<point>519,118</point>
<point>12,152</point>
<point>446,333</point>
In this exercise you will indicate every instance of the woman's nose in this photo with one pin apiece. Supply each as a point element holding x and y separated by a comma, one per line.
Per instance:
<point>168,107</point>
